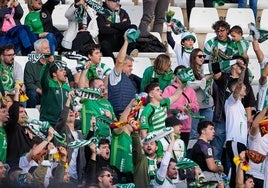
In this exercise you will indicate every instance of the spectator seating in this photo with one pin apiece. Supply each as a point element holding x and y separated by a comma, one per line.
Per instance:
<point>140,64</point>
<point>108,61</point>
<point>202,19</point>
<point>264,19</point>
<point>33,113</point>
<point>241,17</point>
<point>59,20</point>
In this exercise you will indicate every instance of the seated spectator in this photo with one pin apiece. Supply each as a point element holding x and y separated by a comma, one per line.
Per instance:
<point>32,73</point>
<point>94,68</point>
<point>11,30</point>
<point>202,152</point>
<point>160,72</point>
<point>82,26</point>
<point>10,70</point>
<point>39,19</point>
<point>112,26</point>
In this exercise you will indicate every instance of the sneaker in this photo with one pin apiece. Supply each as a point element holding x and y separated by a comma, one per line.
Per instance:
<point>263,37</point>
<point>134,53</point>
<point>156,135</point>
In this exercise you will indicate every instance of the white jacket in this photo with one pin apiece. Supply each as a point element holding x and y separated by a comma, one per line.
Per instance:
<point>72,30</point>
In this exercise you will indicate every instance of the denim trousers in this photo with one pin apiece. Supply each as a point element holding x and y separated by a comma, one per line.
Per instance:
<point>252,5</point>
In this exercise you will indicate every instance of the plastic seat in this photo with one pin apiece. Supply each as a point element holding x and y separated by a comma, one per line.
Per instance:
<point>108,61</point>
<point>59,20</point>
<point>33,113</point>
<point>202,19</point>
<point>140,64</point>
<point>241,17</point>
<point>264,19</point>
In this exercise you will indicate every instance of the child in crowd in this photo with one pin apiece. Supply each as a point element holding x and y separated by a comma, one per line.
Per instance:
<point>240,44</point>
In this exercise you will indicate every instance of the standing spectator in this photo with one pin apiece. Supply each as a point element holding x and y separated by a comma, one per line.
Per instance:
<point>217,48</point>
<point>105,178</point>
<point>32,73</point>
<point>54,91</point>
<point>155,112</point>
<point>144,161</point>
<point>99,107</point>
<point>76,159</point>
<point>258,143</point>
<point>19,138</point>
<point>167,170</point>
<point>10,71</point>
<point>112,26</point>
<point>82,26</point>
<point>3,136</point>
<point>236,121</point>
<point>187,101</point>
<point>94,68</point>
<point>203,154</point>
<point>122,84</point>
<point>160,72</point>
<point>203,88</point>
<point>184,49</point>
<point>191,3</point>
<point>252,5</point>
<point>39,19</point>
<point>153,10</point>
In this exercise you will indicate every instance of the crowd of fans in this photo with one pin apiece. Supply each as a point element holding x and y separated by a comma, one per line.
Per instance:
<point>103,127</point>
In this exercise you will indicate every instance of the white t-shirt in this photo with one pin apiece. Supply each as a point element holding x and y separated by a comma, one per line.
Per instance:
<point>236,121</point>
<point>183,58</point>
<point>259,144</point>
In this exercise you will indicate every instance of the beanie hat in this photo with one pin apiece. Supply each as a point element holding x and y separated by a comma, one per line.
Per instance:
<point>172,121</point>
<point>187,35</point>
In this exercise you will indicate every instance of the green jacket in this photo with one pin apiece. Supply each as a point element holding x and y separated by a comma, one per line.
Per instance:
<point>149,75</point>
<point>32,75</point>
<point>53,98</point>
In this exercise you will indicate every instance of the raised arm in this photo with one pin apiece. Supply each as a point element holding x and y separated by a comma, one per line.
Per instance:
<point>239,84</point>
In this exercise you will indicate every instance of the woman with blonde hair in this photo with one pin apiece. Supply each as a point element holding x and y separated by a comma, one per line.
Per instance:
<point>160,72</point>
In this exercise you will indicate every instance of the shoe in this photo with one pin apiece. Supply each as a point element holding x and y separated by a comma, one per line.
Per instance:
<point>134,53</point>
<point>263,38</point>
<point>156,135</point>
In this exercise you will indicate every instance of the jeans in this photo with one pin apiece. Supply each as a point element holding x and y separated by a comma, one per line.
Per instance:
<point>218,142</point>
<point>34,98</point>
<point>252,5</point>
<point>52,42</point>
<point>208,113</point>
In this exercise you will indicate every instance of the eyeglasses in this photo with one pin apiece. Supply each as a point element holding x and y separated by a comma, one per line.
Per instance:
<point>9,55</point>
<point>220,30</point>
<point>200,56</point>
<point>108,175</point>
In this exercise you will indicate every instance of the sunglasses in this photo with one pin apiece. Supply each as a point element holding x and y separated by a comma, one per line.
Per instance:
<point>115,1</point>
<point>200,56</point>
<point>108,175</point>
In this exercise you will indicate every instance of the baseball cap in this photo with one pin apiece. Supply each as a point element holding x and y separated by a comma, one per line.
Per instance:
<point>187,35</point>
